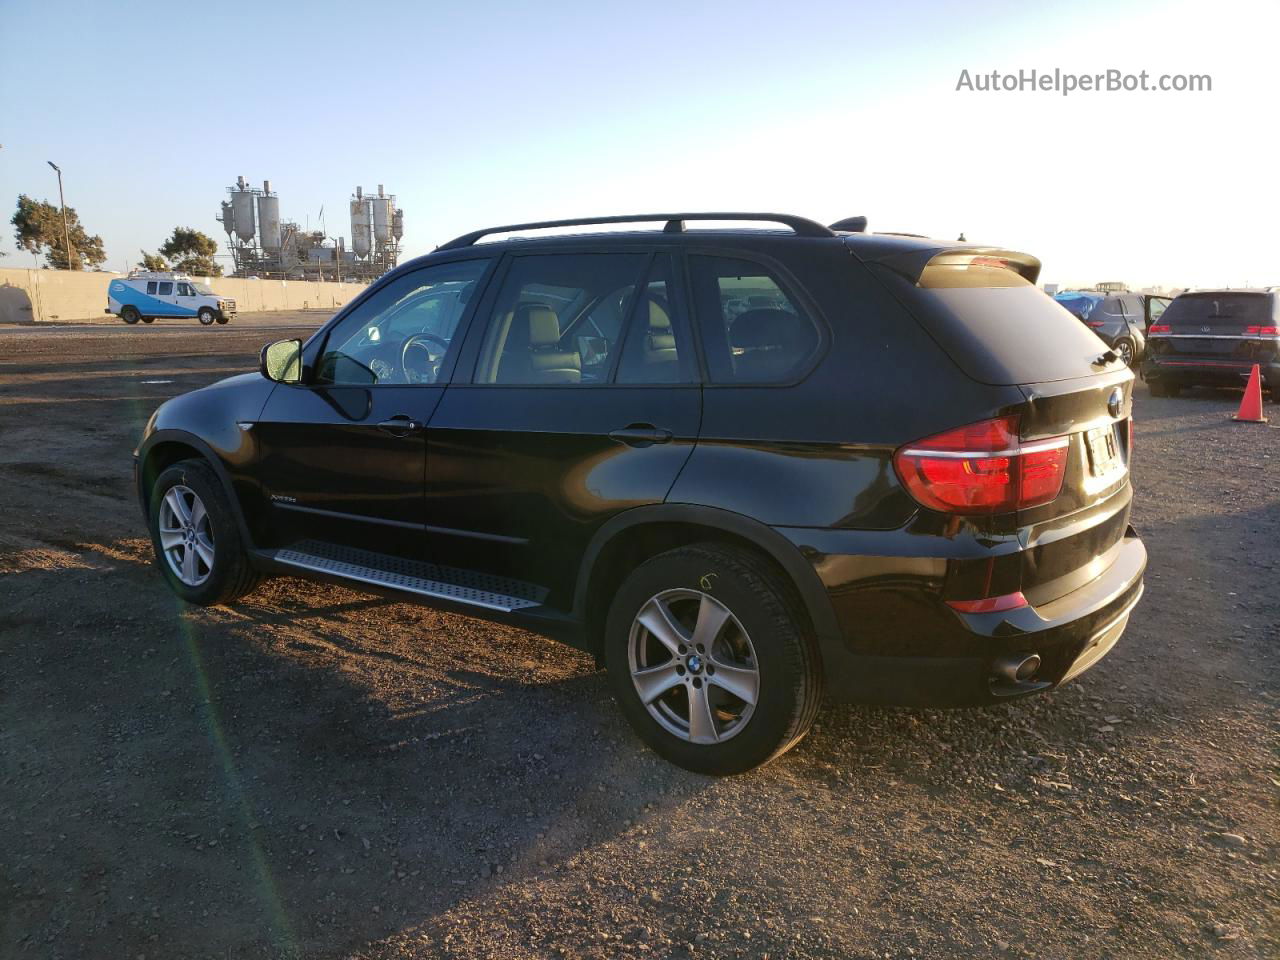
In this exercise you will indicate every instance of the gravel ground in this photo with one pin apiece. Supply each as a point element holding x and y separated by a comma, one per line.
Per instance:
<point>317,772</point>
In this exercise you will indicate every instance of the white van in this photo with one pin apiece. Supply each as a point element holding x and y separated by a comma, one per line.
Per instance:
<point>145,295</point>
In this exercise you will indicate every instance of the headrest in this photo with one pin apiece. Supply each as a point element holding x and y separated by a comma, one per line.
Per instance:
<point>659,319</point>
<point>544,325</point>
<point>764,328</point>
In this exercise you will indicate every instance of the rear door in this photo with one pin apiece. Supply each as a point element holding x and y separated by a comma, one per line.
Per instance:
<point>165,299</point>
<point>577,397</point>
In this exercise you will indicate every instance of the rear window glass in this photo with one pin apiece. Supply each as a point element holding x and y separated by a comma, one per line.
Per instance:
<point>997,326</point>
<point>1219,309</point>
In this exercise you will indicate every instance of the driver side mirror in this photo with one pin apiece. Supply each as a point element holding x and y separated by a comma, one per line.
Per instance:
<point>282,361</point>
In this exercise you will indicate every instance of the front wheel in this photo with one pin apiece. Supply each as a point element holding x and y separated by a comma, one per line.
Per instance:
<point>196,538</point>
<point>207,315</point>
<point>710,660</point>
<point>130,315</point>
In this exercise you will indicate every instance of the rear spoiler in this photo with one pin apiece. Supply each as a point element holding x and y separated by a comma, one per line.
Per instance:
<point>910,263</point>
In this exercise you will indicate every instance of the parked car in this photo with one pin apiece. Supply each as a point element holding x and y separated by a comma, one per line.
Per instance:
<point>1120,319</point>
<point>147,295</point>
<point>1214,337</point>
<point>746,469</point>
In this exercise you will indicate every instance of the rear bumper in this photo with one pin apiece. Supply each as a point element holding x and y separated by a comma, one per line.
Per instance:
<point>1206,370</point>
<point>948,658</point>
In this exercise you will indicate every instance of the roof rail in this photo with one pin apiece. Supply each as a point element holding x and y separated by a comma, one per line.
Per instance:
<point>674,224</point>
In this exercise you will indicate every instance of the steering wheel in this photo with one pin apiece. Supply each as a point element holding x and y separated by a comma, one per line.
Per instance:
<point>430,370</point>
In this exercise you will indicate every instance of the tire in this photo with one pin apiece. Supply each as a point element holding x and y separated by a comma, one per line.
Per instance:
<point>206,316</point>
<point>762,648</point>
<point>230,575</point>
<point>223,318</point>
<point>1125,351</point>
<point>130,315</point>
<point>148,319</point>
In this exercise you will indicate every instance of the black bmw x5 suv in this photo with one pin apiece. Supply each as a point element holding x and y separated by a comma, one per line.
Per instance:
<point>746,468</point>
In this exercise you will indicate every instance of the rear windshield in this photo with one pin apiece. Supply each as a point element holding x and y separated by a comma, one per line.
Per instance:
<point>1080,304</point>
<point>1219,309</point>
<point>998,327</point>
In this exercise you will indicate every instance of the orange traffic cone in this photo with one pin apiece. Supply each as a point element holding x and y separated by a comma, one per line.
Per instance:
<point>1251,406</point>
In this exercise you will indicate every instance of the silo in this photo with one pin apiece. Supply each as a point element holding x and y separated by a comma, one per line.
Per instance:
<point>228,217</point>
<point>269,217</point>
<point>397,224</point>
<point>242,212</point>
<point>360,224</point>
<point>381,218</point>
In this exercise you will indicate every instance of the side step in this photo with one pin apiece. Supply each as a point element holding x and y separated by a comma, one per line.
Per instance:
<point>413,576</point>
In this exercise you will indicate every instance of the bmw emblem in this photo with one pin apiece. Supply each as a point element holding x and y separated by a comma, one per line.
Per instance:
<point>1115,402</point>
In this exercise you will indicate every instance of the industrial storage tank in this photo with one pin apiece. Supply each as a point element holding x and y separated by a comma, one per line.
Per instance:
<point>242,211</point>
<point>381,216</point>
<point>228,217</point>
<point>269,217</point>
<point>397,224</point>
<point>360,224</point>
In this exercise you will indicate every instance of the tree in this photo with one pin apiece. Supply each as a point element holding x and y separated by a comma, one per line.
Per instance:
<point>153,261</point>
<point>38,229</point>
<point>191,251</point>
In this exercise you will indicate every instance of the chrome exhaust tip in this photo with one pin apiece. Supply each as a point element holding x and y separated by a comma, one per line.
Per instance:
<point>1017,667</point>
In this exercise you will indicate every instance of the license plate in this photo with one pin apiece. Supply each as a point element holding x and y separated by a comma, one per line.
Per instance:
<point>1104,451</point>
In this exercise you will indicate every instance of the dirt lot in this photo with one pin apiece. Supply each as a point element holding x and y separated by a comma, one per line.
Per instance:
<point>321,773</point>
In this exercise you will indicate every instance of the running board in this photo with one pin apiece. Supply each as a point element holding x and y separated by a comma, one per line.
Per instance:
<point>425,579</point>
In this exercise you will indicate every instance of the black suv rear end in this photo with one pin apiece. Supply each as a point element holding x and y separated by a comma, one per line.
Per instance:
<point>1213,338</point>
<point>744,468</point>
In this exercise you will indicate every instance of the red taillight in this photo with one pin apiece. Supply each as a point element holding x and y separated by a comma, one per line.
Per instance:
<point>1008,601</point>
<point>1159,328</point>
<point>1094,323</point>
<point>983,468</point>
<point>1263,331</point>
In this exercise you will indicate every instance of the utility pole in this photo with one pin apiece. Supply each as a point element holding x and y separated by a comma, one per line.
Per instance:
<point>66,231</point>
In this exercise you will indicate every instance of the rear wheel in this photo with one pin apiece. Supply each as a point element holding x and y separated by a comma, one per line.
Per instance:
<point>130,315</point>
<point>207,315</point>
<point>710,660</point>
<point>1124,350</point>
<point>196,538</point>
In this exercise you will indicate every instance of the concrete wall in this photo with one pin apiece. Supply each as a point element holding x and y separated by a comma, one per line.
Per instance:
<point>34,296</point>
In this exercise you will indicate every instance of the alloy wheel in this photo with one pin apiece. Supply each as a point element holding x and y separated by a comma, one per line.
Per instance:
<point>186,536</point>
<point>693,666</point>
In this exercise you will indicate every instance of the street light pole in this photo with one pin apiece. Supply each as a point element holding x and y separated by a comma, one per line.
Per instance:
<point>66,231</point>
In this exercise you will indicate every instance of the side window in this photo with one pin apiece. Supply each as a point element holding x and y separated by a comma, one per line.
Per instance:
<point>404,331</point>
<point>1156,306</point>
<point>184,290</point>
<point>1111,307</point>
<point>652,353</point>
<point>166,288</point>
<point>559,317</point>
<point>151,288</point>
<point>753,331</point>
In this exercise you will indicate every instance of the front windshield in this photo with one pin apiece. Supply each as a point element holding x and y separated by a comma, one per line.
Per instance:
<point>203,288</point>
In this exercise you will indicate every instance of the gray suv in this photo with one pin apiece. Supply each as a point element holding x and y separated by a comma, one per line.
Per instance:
<point>1120,319</point>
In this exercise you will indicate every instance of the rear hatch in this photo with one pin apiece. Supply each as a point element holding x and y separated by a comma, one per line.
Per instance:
<point>982,307</point>
<point>1233,326</point>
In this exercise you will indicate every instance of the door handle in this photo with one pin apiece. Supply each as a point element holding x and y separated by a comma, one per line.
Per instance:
<point>641,435</point>
<point>400,426</point>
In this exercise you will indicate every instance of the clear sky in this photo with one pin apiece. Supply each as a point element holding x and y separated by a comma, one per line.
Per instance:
<point>488,112</point>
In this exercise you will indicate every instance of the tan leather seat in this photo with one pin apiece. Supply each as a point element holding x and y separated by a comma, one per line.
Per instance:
<point>532,352</point>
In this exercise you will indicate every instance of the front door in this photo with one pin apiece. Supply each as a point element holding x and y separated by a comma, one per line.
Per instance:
<point>342,456</point>
<point>584,402</point>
